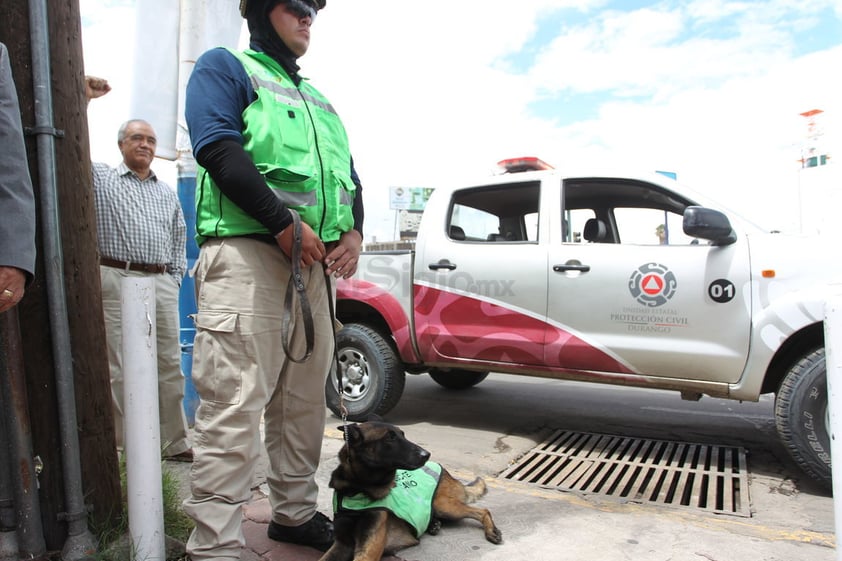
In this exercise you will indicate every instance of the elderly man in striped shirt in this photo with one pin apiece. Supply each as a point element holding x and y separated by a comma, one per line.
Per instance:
<point>142,232</point>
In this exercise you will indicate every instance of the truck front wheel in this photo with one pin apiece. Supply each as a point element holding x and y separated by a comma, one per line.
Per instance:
<point>372,374</point>
<point>801,416</point>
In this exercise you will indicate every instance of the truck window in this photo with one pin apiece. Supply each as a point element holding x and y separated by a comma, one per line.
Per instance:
<point>613,210</point>
<point>573,224</point>
<point>495,214</point>
<point>649,226</point>
<point>477,224</point>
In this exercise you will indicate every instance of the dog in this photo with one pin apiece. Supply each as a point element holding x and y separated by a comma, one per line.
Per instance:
<point>378,465</point>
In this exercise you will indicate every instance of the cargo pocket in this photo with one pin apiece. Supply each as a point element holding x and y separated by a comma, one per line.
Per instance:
<point>218,358</point>
<point>293,131</point>
<point>347,188</point>
<point>281,176</point>
<point>290,185</point>
<point>345,193</point>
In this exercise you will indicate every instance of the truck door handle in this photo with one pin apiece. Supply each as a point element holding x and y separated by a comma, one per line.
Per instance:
<point>442,264</point>
<point>571,267</point>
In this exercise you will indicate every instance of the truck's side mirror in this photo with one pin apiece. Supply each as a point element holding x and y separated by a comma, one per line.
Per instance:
<point>708,224</point>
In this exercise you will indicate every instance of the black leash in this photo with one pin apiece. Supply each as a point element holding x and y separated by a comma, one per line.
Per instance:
<point>296,286</point>
<point>337,367</point>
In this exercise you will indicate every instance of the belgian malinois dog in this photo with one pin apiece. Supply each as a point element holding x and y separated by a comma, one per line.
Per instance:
<point>380,480</point>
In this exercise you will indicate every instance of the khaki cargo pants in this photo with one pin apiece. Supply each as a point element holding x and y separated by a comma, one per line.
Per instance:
<point>241,373</point>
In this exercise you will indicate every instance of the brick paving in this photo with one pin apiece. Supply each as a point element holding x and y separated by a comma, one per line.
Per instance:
<point>259,547</point>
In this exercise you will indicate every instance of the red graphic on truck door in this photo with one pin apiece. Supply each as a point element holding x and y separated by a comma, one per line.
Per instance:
<point>451,326</point>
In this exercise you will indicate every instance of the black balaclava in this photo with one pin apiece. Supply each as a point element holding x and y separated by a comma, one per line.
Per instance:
<point>265,38</point>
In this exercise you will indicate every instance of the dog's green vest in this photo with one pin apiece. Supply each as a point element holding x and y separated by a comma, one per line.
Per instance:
<point>298,143</point>
<point>411,499</point>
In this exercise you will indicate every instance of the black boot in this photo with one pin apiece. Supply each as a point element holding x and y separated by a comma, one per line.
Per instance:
<point>316,533</point>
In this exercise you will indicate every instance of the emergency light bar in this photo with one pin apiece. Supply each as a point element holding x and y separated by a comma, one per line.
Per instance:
<point>530,163</point>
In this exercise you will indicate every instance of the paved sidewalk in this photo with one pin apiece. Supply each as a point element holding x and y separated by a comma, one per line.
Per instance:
<point>547,525</point>
<point>256,517</point>
<point>258,513</point>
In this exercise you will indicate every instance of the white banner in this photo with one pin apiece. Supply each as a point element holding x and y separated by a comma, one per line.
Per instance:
<point>170,37</point>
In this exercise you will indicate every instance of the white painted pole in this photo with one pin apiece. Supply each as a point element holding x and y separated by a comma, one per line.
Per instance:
<point>833,361</point>
<point>142,425</point>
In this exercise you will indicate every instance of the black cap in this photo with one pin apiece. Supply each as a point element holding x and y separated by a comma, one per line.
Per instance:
<point>318,4</point>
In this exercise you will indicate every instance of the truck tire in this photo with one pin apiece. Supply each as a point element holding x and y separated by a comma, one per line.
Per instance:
<point>801,416</point>
<point>457,378</point>
<point>372,374</point>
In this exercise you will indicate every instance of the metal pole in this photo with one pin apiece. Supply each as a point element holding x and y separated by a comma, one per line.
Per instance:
<point>192,35</point>
<point>20,474</point>
<point>80,542</point>
<point>142,423</point>
<point>8,519</point>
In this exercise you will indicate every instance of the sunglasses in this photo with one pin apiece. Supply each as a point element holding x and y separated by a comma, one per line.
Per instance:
<point>301,9</point>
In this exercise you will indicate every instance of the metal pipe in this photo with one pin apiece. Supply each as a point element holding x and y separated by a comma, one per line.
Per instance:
<point>833,373</point>
<point>8,519</point>
<point>140,404</point>
<point>19,480</point>
<point>79,542</point>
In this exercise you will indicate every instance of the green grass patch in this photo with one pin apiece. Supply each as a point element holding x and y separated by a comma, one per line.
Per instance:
<point>114,542</point>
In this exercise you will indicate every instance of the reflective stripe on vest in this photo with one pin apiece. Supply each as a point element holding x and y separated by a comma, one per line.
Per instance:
<point>293,96</point>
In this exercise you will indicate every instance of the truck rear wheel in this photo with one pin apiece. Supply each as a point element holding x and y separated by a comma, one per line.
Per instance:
<point>801,416</point>
<point>457,378</point>
<point>372,374</point>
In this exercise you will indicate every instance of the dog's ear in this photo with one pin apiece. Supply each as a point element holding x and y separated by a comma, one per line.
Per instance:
<point>352,432</point>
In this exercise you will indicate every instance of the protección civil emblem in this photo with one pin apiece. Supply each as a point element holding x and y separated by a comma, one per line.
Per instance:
<point>652,285</point>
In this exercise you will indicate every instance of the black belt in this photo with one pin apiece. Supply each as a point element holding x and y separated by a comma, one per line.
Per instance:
<point>265,238</point>
<point>131,266</point>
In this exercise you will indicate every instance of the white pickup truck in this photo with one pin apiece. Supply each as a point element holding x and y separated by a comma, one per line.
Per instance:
<point>617,279</point>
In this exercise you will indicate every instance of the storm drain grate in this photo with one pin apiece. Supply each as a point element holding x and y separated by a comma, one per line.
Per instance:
<point>674,474</point>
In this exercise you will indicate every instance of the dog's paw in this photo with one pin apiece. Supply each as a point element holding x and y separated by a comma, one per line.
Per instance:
<point>495,536</point>
<point>434,527</point>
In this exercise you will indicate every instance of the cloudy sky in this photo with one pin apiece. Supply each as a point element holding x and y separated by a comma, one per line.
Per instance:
<point>435,92</point>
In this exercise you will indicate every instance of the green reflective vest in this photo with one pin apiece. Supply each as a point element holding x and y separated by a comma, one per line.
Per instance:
<point>411,499</point>
<point>298,143</point>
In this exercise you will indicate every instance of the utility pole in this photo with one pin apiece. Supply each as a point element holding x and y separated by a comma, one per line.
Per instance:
<point>77,226</point>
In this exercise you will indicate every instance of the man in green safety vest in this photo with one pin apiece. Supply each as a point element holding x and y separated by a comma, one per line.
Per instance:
<point>278,213</point>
